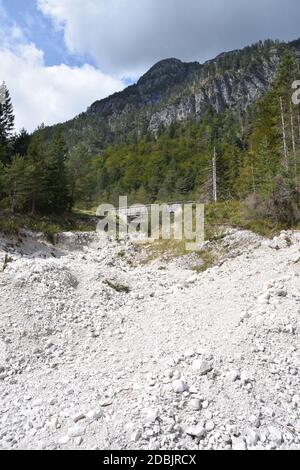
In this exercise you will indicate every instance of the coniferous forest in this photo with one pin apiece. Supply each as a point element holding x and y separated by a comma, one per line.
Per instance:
<point>257,158</point>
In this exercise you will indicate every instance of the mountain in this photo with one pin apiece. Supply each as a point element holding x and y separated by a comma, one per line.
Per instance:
<point>184,131</point>
<point>173,91</point>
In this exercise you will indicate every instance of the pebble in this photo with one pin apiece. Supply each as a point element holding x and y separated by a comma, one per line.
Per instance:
<point>233,375</point>
<point>76,431</point>
<point>147,377</point>
<point>151,415</point>
<point>203,367</point>
<point>252,437</point>
<point>179,386</point>
<point>210,426</point>
<point>275,435</point>
<point>196,404</point>
<point>94,415</point>
<point>196,431</point>
<point>238,444</point>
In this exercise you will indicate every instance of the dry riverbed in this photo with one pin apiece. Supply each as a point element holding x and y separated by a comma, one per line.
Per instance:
<point>101,348</point>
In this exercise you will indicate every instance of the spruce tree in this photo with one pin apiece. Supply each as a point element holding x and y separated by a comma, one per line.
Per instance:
<point>82,177</point>
<point>14,183</point>
<point>21,143</point>
<point>35,168</point>
<point>55,188</point>
<point>7,120</point>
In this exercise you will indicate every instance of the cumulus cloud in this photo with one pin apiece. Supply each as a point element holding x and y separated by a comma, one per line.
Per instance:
<point>42,93</point>
<point>127,36</point>
<point>122,38</point>
<point>50,94</point>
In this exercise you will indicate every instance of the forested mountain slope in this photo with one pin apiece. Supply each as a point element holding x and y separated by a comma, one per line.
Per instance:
<point>155,140</point>
<point>173,91</point>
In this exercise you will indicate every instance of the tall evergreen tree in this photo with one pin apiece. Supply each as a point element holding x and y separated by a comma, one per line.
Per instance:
<point>81,175</point>
<point>35,162</point>
<point>21,143</point>
<point>14,183</point>
<point>7,120</point>
<point>55,188</point>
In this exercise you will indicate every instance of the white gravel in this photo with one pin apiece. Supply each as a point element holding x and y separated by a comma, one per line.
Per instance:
<point>172,360</point>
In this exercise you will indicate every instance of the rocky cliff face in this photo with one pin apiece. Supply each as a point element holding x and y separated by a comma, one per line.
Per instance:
<point>234,89</point>
<point>173,91</point>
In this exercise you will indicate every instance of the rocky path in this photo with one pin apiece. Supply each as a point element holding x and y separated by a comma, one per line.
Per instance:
<point>100,350</point>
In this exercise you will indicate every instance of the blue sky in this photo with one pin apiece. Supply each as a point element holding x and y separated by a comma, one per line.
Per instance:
<point>59,56</point>
<point>38,29</point>
<point>48,82</point>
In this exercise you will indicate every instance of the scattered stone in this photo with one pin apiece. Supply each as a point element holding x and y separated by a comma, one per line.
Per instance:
<point>85,366</point>
<point>275,435</point>
<point>76,431</point>
<point>196,404</point>
<point>151,415</point>
<point>94,415</point>
<point>198,431</point>
<point>252,437</point>
<point>238,443</point>
<point>203,367</point>
<point>233,375</point>
<point>63,440</point>
<point>179,386</point>
<point>136,436</point>
<point>210,426</point>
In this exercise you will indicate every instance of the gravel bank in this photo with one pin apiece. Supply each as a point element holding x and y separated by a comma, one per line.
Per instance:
<point>100,350</point>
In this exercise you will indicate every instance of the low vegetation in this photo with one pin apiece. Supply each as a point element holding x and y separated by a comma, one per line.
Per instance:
<point>121,288</point>
<point>49,225</point>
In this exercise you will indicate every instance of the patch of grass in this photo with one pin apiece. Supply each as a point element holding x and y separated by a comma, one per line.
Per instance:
<point>230,213</point>
<point>49,225</point>
<point>263,227</point>
<point>234,213</point>
<point>167,248</point>
<point>118,287</point>
<point>208,258</point>
<point>218,217</point>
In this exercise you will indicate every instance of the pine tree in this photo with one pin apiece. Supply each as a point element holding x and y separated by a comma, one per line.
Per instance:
<point>55,188</point>
<point>81,175</point>
<point>35,163</point>
<point>21,143</point>
<point>14,182</point>
<point>7,120</point>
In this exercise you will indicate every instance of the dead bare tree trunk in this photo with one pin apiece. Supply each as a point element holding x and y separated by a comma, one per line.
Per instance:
<point>285,148</point>
<point>214,169</point>
<point>293,130</point>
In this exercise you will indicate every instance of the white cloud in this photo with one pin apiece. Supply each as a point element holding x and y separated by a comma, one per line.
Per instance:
<point>50,94</point>
<point>127,36</point>
<point>124,38</point>
<point>42,93</point>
